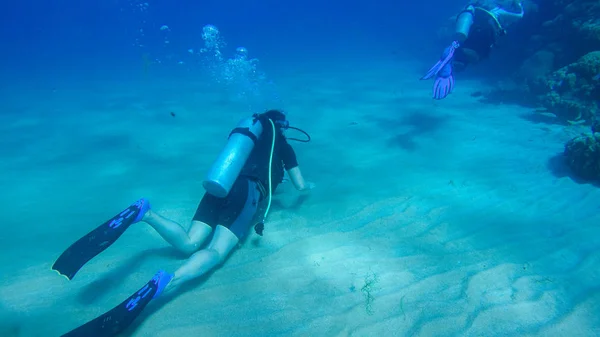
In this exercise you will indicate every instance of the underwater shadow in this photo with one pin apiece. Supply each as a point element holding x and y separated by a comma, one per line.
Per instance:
<point>10,324</point>
<point>99,287</point>
<point>538,118</point>
<point>559,168</point>
<point>158,303</point>
<point>505,96</point>
<point>419,122</point>
<point>278,205</point>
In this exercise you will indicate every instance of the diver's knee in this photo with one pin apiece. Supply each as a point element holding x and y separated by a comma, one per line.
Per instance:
<point>190,248</point>
<point>215,255</point>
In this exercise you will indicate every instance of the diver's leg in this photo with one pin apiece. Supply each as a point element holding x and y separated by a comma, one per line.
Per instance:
<point>242,206</point>
<point>186,242</point>
<point>204,220</point>
<point>462,58</point>
<point>120,317</point>
<point>205,260</point>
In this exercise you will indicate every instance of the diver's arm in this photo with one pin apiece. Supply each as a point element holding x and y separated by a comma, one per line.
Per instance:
<point>290,163</point>
<point>515,15</point>
<point>298,180</point>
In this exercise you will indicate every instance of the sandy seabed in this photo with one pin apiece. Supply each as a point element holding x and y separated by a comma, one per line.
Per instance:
<point>429,218</point>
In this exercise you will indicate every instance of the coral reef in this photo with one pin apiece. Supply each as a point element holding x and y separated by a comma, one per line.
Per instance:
<point>582,154</point>
<point>560,40</point>
<point>571,92</point>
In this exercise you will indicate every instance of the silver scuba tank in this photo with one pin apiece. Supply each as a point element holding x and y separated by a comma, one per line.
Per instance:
<point>226,169</point>
<point>464,23</point>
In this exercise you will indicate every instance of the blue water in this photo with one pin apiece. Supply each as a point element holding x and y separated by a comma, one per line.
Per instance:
<point>97,40</point>
<point>108,101</point>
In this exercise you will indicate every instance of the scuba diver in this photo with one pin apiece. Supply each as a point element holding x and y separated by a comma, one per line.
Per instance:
<point>239,183</point>
<point>478,27</point>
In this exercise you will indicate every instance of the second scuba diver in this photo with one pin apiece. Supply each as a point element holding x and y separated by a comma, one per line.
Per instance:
<point>478,27</point>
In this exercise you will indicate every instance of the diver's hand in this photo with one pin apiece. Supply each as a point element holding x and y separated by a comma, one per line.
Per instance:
<point>308,186</point>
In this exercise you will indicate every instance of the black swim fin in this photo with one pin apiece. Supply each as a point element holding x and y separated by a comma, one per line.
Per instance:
<point>96,241</point>
<point>120,317</point>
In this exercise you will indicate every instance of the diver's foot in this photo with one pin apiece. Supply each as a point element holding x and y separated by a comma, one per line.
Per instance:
<point>143,208</point>
<point>96,241</point>
<point>162,280</point>
<point>118,319</point>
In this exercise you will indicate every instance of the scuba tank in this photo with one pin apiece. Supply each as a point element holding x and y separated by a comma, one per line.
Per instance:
<point>226,169</point>
<point>464,21</point>
<point>242,139</point>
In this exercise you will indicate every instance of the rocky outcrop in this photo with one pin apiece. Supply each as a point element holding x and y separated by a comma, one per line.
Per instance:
<point>582,154</point>
<point>561,63</point>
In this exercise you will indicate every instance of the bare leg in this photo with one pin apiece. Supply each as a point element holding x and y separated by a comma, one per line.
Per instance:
<point>186,242</point>
<point>205,260</point>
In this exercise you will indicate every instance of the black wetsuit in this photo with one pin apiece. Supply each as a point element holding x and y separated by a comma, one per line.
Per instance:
<point>284,157</point>
<point>238,209</point>
<point>481,39</point>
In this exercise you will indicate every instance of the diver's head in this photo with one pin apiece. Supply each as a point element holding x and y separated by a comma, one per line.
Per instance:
<point>510,5</point>
<point>278,117</point>
<point>508,13</point>
<point>280,121</point>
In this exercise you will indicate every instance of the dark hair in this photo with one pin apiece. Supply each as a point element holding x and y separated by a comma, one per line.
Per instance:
<point>277,116</point>
<point>274,115</point>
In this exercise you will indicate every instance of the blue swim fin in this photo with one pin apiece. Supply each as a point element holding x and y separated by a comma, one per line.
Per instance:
<point>120,317</point>
<point>96,241</point>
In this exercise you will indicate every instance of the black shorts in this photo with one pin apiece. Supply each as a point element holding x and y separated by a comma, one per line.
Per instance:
<point>236,211</point>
